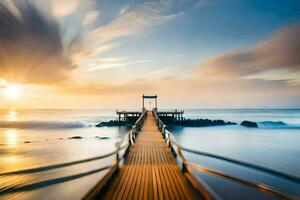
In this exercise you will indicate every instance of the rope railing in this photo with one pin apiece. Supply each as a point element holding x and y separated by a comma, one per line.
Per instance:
<point>187,166</point>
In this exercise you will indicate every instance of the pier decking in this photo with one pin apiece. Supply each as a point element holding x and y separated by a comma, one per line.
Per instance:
<point>150,170</point>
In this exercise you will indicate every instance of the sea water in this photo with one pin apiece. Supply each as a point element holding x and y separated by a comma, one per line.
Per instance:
<point>38,138</point>
<point>42,137</point>
<point>275,145</point>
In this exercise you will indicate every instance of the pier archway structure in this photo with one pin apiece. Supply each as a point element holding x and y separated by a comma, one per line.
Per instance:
<point>146,97</point>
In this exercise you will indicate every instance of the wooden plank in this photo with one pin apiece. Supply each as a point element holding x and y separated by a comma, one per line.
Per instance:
<point>128,180</point>
<point>124,177</point>
<point>130,188</point>
<point>172,181</point>
<point>177,184</point>
<point>142,177</point>
<point>138,185</point>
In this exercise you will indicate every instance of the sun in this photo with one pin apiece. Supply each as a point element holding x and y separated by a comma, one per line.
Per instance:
<point>12,91</point>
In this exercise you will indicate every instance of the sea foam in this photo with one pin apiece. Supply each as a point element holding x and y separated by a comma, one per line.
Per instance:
<point>277,124</point>
<point>42,124</point>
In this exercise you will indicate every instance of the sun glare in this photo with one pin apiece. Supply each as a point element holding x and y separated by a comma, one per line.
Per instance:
<point>12,91</point>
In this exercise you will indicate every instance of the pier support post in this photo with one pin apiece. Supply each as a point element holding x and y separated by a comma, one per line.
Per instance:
<point>143,103</point>
<point>117,155</point>
<point>156,102</point>
<point>184,168</point>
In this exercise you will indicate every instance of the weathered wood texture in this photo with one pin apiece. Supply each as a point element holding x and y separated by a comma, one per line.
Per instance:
<point>150,171</point>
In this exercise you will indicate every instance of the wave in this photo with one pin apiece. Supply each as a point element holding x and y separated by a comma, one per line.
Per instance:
<point>42,124</point>
<point>276,124</point>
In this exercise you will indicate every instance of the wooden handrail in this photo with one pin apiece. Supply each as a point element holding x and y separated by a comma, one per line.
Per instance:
<point>171,142</point>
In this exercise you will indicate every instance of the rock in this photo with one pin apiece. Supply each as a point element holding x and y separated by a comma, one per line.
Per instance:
<point>272,123</point>
<point>102,138</point>
<point>167,120</point>
<point>249,124</point>
<point>110,123</point>
<point>27,142</point>
<point>75,137</point>
<point>203,123</point>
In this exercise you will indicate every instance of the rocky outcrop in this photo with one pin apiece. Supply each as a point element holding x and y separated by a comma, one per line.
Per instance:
<point>249,124</point>
<point>102,138</point>
<point>203,123</point>
<point>111,123</point>
<point>75,137</point>
<point>272,124</point>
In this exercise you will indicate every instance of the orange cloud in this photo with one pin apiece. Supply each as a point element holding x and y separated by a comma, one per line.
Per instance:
<point>280,51</point>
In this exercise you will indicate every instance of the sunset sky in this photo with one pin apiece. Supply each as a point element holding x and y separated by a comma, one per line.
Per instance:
<point>191,53</point>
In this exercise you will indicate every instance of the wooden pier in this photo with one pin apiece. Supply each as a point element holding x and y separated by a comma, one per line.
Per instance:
<point>169,115</point>
<point>150,165</point>
<point>126,116</point>
<point>150,171</point>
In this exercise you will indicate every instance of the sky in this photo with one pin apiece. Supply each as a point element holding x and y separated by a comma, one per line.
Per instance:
<point>191,53</point>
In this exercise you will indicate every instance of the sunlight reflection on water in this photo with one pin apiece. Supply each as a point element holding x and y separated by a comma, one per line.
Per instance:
<point>26,148</point>
<point>12,115</point>
<point>11,138</point>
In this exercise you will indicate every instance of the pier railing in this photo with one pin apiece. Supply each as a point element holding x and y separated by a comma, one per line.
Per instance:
<point>188,167</point>
<point>126,142</point>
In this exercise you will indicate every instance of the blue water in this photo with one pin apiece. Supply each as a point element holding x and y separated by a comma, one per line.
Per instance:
<point>273,145</point>
<point>33,138</point>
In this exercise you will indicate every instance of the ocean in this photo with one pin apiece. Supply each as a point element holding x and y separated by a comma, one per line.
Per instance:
<point>42,137</point>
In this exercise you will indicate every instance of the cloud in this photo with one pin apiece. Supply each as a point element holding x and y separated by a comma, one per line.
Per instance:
<point>91,17</point>
<point>31,45</point>
<point>204,3</point>
<point>65,7</point>
<point>124,9</point>
<point>132,22</point>
<point>112,62</point>
<point>95,66</point>
<point>160,71</point>
<point>228,80</point>
<point>3,83</point>
<point>280,51</point>
<point>141,61</point>
<point>229,93</point>
<point>126,23</point>
<point>137,86</point>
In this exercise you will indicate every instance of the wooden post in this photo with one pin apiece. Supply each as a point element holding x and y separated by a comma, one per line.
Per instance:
<point>173,118</point>
<point>156,102</point>
<point>184,167</point>
<point>143,103</point>
<point>117,155</point>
